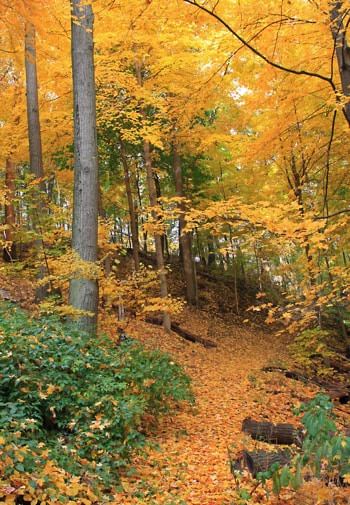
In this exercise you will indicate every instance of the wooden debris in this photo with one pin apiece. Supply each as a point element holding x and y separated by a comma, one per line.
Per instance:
<point>285,434</point>
<point>183,333</point>
<point>259,461</point>
<point>336,391</point>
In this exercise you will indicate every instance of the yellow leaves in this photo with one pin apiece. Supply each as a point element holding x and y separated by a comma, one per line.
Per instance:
<point>170,305</point>
<point>346,478</point>
<point>51,388</point>
<point>99,423</point>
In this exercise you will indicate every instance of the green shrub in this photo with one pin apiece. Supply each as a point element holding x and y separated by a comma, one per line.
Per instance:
<point>80,399</point>
<point>312,350</point>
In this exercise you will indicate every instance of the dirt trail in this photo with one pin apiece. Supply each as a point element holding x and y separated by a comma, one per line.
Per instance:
<point>193,463</point>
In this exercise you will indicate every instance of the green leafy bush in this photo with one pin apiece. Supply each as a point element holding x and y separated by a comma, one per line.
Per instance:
<point>326,451</point>
<point>79,400</point>
<point>312,350</point>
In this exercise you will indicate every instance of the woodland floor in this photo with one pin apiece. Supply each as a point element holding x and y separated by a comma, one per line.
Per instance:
<point>191,464</point>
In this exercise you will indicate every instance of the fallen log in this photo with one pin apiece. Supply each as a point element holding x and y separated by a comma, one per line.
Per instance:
<point>183,333</point>
<point>259,461</point>
<point>340,393</point>
<point>283,433</point>
<point>290,374</point>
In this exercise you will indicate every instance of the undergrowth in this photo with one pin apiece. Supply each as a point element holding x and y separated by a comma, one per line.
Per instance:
<point>74,406</point>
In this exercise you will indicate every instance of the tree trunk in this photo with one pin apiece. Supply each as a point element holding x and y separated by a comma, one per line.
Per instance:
<point>83,293</point>
<point>157,237</point>
<point>185,239</point>
<point>9,252</point>
<point>144,233</point>
<point>153,201</point>
<point>132,213</point>
<point>35,146</point>
<point>342,51</point>
<point>34,133</point>
<point>158,195</point>
<point>211,252</point>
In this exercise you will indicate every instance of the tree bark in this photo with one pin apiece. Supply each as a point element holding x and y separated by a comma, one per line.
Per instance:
<point>185,239</point>
<point>35,146</point>
<point>211,252</point>
<point>153,201</point>
<point>34,132</point>
<point>9,251</point>
<point>132,213</point>
<point>157,237</point>
<point>83,293</point>
<point>158,195</point>
<point>342,51</point>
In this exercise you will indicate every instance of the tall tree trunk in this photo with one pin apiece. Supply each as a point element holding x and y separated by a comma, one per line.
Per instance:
<point>9,252</point>
<point>35,146</point>
<point>342,51</point>
<point>83,293</point>
<point>185,239</point>
<point>34,132</point>
<point>153,201</point>
<point>159,194</point>
<point>157,237</point>
<point>144,233</point>
<point>211,252</point>
<point>132,213</point>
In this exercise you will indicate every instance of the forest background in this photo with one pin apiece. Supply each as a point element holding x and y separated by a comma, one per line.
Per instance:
<point>195,136</point>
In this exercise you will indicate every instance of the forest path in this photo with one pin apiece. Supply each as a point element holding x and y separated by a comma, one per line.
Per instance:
<point>192,467</point>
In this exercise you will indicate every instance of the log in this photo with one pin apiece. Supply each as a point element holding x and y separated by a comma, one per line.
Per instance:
<point>183,333</point>
<point>259,461</point>
<point>335,391</point>
<point>290,374</point>
<point>283,433</point>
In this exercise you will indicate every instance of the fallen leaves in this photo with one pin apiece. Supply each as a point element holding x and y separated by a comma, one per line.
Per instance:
<point>192,465</point>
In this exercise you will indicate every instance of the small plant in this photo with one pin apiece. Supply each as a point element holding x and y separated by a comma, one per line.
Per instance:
<point>76,401</point>
<point>311,350</point>
<point>325,450</point>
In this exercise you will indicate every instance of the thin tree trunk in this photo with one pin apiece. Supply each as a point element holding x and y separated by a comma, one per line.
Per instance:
<point>34,132</point>
<point>185,239</point>
<point>83,294</point>
<point>158,195</point>
<point>235,284</point>
<point>132,213</point>
<point>342,51</point>
<point>144,233</point>
<point>153,201</point>
<point>201,253</point>
<point>9,252</point>
<point>35,146</point>
<point>157,237</point>
<point>107,261</point>
<point>211,252</point>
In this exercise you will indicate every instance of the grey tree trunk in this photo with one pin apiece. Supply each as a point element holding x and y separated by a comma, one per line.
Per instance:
<point>185,239</point>
<point>34,133</point>
<point>10,249</point>
<point>35,149</point>
<point>83,293</point>
<point>132,213</point>
<point>342,51</point>
<point>157,238</point>
<point>153,201</point>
